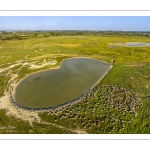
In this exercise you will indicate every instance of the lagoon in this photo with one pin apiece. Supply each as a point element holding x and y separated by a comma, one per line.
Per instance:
<point>53,87</point>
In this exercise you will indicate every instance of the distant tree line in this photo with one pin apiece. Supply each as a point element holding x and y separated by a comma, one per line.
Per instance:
<point>9,35</point>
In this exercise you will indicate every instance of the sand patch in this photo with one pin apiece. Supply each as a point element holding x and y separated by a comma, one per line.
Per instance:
<point>50,56</point>
<point>16,112</point>
<point>43,64</point>
<point>135,65</point>
<point>5,103</point>
<point>12,66</point>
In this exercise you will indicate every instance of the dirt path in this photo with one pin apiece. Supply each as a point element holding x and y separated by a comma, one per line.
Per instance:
<point>78,131</point>
<point>12,66</point>
<point>5,102</point>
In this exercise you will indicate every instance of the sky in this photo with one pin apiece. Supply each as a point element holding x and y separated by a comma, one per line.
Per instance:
<point>121,23</point>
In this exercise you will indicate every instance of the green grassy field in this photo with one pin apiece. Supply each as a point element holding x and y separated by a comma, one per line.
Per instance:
<point>131,71</point>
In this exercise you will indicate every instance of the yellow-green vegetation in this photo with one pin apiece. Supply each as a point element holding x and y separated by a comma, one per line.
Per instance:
<point>120,103</point>
<point>107,109</point>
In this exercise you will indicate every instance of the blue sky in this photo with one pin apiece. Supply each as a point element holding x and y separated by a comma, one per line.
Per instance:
<point>123,23</point>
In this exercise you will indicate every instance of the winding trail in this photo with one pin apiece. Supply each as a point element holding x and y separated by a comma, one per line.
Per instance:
<point>6,104</point>
<point>78,131</point>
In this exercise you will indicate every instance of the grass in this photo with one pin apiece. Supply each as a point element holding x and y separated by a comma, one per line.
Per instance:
<point>131,70</point>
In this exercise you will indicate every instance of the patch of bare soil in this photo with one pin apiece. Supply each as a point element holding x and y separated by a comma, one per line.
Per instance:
<point>6,104</point>
<point>135,65</point>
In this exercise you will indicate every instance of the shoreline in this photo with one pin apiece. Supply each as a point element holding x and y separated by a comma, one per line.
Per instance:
<point>52,108</point>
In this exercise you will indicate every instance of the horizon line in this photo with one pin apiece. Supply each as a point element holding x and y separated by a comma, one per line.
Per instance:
<point>74,30</point>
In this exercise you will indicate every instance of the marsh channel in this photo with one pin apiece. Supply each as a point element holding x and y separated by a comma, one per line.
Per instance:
<point>54,87</point>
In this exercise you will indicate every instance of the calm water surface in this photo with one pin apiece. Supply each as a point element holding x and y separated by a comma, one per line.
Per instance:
<point>137,44</point>
<point>131,44</point>
<point>57,86</point>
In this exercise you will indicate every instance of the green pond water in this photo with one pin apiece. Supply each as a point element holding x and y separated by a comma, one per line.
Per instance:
<point>57,86</point>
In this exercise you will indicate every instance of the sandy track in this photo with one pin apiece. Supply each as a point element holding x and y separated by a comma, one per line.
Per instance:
<point>12,110</point>
<point>78,131</point>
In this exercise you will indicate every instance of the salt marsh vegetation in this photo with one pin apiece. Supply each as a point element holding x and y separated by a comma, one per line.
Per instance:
<point>118,104</point>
